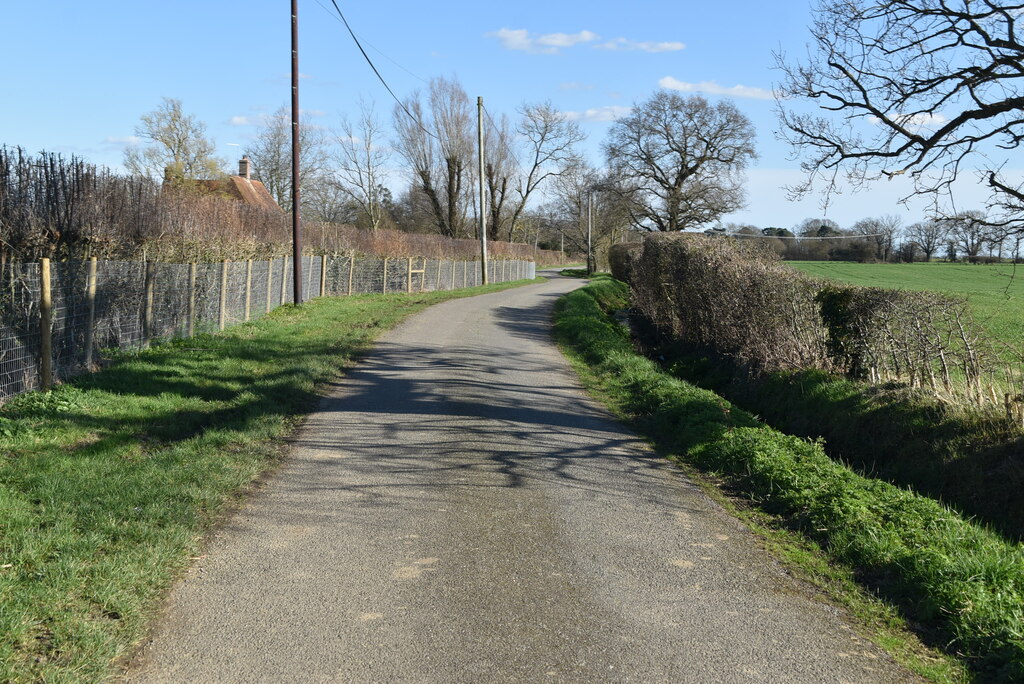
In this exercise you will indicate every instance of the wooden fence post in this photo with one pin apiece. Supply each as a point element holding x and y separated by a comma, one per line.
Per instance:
<point>248,288</point>
<point>451,285</point>
<point>384,290</point>
<point>270,281</point>
<point>284,278</point>
<point>408,275</point>
<point>223,308</point>
<point>190,323</point>
<point>90,298</point>
<point>147,317</point>
<point>323,275</point>
<point>45,319</point>
<point>351,270</point>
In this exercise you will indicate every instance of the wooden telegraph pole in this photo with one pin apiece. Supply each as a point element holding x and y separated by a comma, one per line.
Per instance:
<point>296,232</point>
<point>482,224</point>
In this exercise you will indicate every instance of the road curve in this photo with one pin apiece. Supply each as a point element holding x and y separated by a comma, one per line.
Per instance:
<point>458,511</point>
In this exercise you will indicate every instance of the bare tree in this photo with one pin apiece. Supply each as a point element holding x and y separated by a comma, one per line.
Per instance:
<point>880,232</point>
<point>176,146</point>
<point>500,177</point>
<point>550,139</point>
<point>969,232</point>
<point>362,159</point>
<point>929,236</point>
<point>680,160</point>
<point>573,188</point>
<point>271,155</point>
<point>921,87</point>
<point>438,145</point>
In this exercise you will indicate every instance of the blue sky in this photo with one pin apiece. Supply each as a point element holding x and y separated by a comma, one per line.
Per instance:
<point>80,74</point>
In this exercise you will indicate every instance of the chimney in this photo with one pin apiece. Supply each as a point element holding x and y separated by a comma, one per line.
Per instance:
<point>243,167</point>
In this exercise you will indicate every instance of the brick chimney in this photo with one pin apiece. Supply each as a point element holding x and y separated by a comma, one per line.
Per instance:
<point>243,167</point>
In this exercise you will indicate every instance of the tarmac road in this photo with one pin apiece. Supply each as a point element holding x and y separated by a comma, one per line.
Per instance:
<point>459,511</point>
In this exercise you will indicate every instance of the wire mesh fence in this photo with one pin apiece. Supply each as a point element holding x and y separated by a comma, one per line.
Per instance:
<point>97,305</point>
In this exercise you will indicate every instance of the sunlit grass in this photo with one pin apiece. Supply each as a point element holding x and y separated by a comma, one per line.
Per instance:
<point>108,484</point>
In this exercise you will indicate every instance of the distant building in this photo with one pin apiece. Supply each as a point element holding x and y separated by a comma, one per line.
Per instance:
<point>241,187</point>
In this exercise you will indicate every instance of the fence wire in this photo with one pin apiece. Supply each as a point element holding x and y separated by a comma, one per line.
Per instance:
<point>127,305</point>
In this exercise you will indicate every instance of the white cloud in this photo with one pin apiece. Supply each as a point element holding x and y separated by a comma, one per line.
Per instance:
<point>239,121</point>
<point>608,113</point>
<point>122,140</point>
<point>916,121</point>
<point>545,44</point>
<point>712,88</point>
<point>624,44</point>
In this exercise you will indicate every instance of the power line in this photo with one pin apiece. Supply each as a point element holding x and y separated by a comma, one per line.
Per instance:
<point>375,48</point>
<point>377,72</point>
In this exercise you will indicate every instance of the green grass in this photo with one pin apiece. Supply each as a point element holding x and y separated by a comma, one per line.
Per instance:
<point>108,484</point>
<point>995,292</point>
<point>948,576</point>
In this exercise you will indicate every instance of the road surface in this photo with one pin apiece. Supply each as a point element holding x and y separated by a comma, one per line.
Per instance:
<point>457,510</point>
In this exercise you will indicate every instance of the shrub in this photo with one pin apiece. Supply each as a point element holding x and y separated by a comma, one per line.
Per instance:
<point>621,258</point>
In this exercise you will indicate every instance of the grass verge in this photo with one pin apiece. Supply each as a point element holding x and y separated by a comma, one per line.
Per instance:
<point>108,483</point>
<point>969,458</point>
<point>951,577</point>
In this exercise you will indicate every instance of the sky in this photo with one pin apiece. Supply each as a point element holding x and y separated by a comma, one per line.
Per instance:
<point>80,74</point>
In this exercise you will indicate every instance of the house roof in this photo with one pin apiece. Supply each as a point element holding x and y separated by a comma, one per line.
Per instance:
<point>243,189</point>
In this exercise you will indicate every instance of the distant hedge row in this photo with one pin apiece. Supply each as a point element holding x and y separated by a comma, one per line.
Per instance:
<point>742,302</point>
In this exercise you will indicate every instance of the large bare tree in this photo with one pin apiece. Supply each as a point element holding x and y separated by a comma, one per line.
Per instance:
<point>880,231</point>
<point>679,160</point>
<point>929,89</point>
<point>175,147</point>
<point>362,160</point>
<point>968,232</point>
<point>438,143</point>
<point>929,236</point>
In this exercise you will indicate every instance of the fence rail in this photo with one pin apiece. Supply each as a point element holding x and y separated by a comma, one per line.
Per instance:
<point>55,316</point>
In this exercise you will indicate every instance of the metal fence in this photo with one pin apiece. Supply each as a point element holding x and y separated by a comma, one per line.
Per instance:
<point>96,305</point>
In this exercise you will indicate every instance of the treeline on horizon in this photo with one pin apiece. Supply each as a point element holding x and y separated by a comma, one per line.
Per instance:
<point>964,237</point>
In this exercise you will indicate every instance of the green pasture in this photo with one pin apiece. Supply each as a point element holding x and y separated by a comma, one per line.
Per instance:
<point>995,291</point>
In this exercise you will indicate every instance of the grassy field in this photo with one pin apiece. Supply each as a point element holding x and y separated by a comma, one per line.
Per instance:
<point>109,483</point>
<point>996,297</point>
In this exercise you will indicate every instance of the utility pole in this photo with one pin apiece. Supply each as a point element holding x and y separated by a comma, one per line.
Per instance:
<point>590,242</point>
<point>482,221</point>
<point>296,228</point>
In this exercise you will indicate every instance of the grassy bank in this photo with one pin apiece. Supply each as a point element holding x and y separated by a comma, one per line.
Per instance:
<point>970,458</point>
<point>108,484</point>
<point>946,574</point>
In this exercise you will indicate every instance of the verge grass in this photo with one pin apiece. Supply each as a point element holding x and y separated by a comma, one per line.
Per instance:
<point>108,483</point>
<point>944,573</point>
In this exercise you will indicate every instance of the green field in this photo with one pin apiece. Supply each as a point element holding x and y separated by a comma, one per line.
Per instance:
<point>995,292</point>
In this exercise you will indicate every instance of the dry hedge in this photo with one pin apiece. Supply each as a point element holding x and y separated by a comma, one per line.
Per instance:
<point>62,208</point>
<point>739,300</point>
